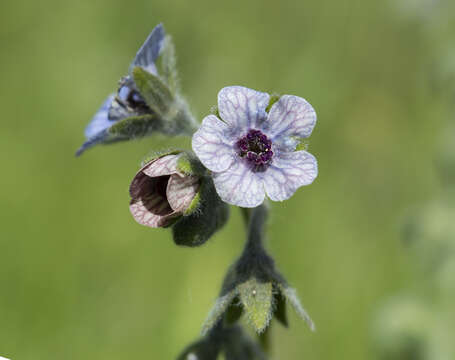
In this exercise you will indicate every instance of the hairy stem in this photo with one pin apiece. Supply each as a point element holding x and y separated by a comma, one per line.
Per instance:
<point>254,252</point>
<point>255,240</point>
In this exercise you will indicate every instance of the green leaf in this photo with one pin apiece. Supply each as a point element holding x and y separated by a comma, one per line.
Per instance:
<point>280,309</point>
<point>208,215</point>
<point>292,298</point>
<point>257,299</point>
<point>217,311</point>
<point>156,93</point>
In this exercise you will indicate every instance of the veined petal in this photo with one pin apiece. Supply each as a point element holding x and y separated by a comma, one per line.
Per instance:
<point>153,211</point>
<point>239,185</point>
<point>150,50</point>
<point>213,144</point>
<point>141,185</point>
<point>165,165</point>
<point>100,121</point>
<point>181,191</point>
<point>287,173</point>
<point>291,116</point>
<point>242,108</point>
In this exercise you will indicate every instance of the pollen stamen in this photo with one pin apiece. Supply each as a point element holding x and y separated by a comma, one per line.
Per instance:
<point>256,148</point>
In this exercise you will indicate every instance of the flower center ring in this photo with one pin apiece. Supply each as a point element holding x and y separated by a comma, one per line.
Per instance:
<point>256,148</point>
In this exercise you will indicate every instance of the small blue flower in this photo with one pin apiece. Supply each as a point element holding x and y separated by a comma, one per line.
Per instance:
<point>251,152</point>
<point>128,101</point>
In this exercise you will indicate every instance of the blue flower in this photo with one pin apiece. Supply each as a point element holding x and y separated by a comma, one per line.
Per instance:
<point>128,101</point>
<point>251,151</point>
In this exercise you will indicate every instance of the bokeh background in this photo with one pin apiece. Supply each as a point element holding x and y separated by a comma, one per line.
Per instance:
<point>80,279</point>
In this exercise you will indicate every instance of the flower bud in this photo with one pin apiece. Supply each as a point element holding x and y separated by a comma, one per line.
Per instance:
<point>175,189</point>
<point>161,193</point>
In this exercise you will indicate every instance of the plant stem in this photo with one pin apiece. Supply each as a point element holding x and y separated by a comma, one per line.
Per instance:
<point>254,253</point>
<point>257,218</point>
<point>246,214</point>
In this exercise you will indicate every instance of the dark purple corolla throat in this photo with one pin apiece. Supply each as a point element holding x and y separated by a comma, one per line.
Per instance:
<point>256,148</point>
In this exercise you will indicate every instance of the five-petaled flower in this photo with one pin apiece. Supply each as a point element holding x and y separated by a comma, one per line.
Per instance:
<point>161,193</point>
<point>252,152</point>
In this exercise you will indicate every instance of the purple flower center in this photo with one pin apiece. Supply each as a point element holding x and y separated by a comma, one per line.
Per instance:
<point>256,148</point>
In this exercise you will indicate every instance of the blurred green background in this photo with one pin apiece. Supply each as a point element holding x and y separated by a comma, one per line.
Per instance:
<point>80,279</point>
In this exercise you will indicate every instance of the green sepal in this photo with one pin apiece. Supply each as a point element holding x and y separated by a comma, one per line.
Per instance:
<point>156,93</point>
<point>189,164</point>
<point>194,205</point>
<point>135,127</point>
<point>169,106</point>
<point>302,145</point>
<point>132,127</point>
<point>257,301</point>
<point>207,215</point>
<point>273,99</point>
<point>169,65</point>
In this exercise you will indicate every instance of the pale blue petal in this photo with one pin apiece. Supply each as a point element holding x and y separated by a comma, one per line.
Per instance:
<point>239,185</point>
<point>242,108</point>
<point>290,116</point>
<point>123,93</point>
<point>287,173</point>
<point>98,138</point>
<point>213,144</point>
<point>150,50</point>
<point>100,121</point>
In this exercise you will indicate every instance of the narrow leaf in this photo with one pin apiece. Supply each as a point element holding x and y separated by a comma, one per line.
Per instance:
<point>217,311</point>
<point>291,296</point>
